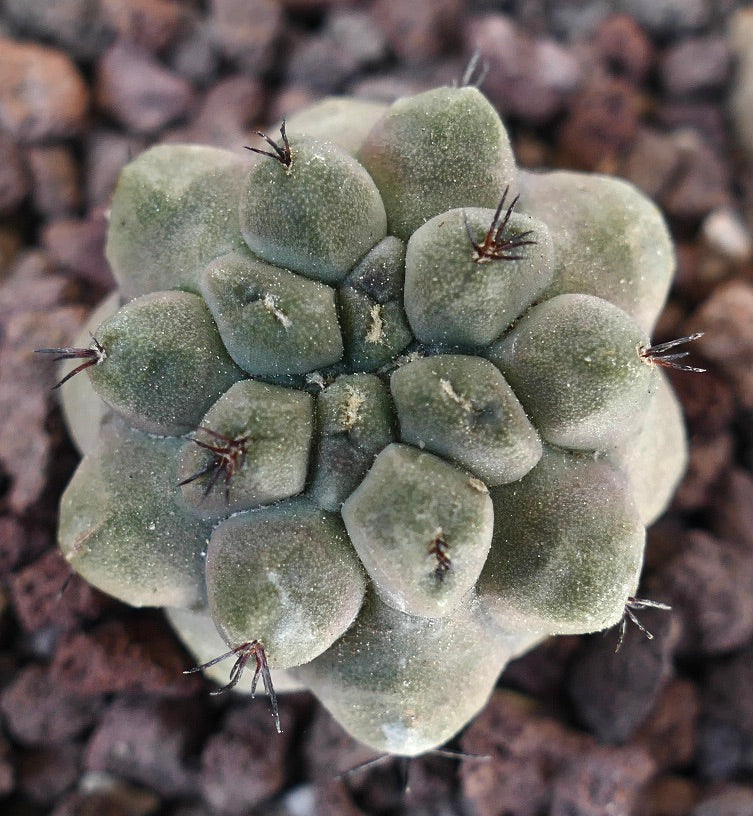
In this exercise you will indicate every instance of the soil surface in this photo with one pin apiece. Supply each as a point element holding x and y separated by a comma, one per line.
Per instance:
<point>95,715</point>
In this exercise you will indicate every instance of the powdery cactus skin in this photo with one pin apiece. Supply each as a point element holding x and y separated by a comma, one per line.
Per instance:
<point>368,417</point>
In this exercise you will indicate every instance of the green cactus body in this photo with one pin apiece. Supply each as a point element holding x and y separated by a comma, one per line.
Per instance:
<point>389,677</point>
<point>412,508</point>
<point>461,407</point>
<point>366,417</point>
<point>628,258</point>
<point>124,526</point>
<point>165,363</point>
<point>375,328</point>
<point>181,200</point>
<point>287,212</point>
<point>274,323</point>
<point>275,425</point>
<point>433,152</point>
<point>451,298</point>
<point>573,361</point>
<point>355,421</point>
<point>254,580</point>
<point>570,509</point>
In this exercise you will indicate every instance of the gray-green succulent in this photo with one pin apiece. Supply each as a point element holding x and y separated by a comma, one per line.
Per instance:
<point>373,407</point>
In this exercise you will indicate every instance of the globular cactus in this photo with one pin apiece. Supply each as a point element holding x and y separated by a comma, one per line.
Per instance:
<point>379,411</point>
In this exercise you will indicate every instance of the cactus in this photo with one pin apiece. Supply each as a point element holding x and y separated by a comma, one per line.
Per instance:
<point>375,410</point>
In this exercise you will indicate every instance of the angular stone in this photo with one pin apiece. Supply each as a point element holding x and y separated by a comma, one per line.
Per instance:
<point>42,94</point>
<point>136,90</point>
<point>38,711</point>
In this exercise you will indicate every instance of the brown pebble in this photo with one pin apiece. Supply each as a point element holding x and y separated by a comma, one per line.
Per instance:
<point>193,55</point>
<point>329,750</point>
<point>528,78</point>
<point>651,161</point>
<point>310,5</point>
<point>150,741</point>
<point>349,42</point>
<point>601,123</point>
<point>702,266</point>
<point>7,769</point>
<point>695,65</point>
<point>709,585</point>
<point>708,458</point>
<point>727,320</point>
<point>542,671</point>
<point>14,177</point>
<point>332,795</point>
<point>669,18</point>
<point>663,541</point>
<point>605,779</point>
<point>46,773</point>
<point>290,100</point>
<point>668,796</point>
<point>11,242</point>
<point>670,733</point>
<point>187,809</point>
<point>614,692</point>
<point>728,690</point>
<point>12,540</point>
<point>77,247</point>
<point>731,509</point>
<point>139,92</point>
<point>733,800</point>
<point>31,318</point>
<point>75,25</point>
<point>702,180</point>
<point>432,782</point>
<point>541,766</point>
<point>726,732</point>
<point>246,32</point>
<point>707,402</point>
<point>686,281</point>
<point>42,94</point>
<point>226,114</point>
<point>46,593</point>
<point>242,765</point>
<point>727,238</point>
<point>152,24</point>
<point>706,119</point>
<point>38,711</point>
<point>101,795</point>
<point>623,48</point>
<point>107,152</point>
<point>531,151</point>
<point>55,177</point>
<point>139,655</point>
<point>419,31</point>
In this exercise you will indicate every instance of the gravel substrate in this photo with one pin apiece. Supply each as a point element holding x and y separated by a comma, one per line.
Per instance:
<point>95,715</point>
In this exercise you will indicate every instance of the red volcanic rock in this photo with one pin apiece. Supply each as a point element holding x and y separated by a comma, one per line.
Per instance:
<point>139,655</point>
<point>139,92</point>
<point>42,94</point>
<point>38,711</point>
<point>55,180</point>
